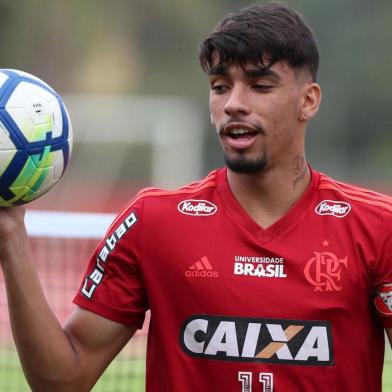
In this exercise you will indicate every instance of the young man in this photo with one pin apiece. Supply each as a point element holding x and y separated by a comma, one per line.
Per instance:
<point>266,275</point>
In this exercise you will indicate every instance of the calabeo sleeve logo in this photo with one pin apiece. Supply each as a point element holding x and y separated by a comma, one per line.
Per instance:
<point>92,281</point>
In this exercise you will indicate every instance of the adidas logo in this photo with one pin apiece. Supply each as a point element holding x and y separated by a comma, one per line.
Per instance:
<point>201,269</point>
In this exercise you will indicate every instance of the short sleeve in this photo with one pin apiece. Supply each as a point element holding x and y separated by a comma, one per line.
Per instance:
<point>382,274</point>
<point>112,285</point>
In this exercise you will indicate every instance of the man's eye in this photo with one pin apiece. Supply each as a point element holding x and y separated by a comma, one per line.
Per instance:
<point>262,87</point>
<point>219,88</point>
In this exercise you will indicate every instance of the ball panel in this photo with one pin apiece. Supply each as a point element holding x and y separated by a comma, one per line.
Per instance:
<point>16,97</point>
<point>5,141</point>
<point>10,173</point>
<point>3,78</point>
<point>25,127</point>
<point>57,119</point>
<point>31,172</point>
<point>6,156</point>
<point>70,145</point>
<point>39,107</point>
<point>23,194</point>
<point>5,203</point>
<point>25,174</point>
<point>27,76</point>
<point>35,178</point>
<point>42,185</point>
<point>41,114</point>
<point>57,163</point>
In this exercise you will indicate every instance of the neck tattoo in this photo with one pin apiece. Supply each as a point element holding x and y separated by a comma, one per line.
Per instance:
<point>299,169</point>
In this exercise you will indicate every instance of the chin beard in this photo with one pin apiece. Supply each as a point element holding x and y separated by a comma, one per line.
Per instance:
<point>244,165</point>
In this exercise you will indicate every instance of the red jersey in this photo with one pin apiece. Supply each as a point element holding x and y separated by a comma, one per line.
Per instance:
<point>235,307</point>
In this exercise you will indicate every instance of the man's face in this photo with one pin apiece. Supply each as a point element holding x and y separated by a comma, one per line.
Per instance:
<point>256,112</point>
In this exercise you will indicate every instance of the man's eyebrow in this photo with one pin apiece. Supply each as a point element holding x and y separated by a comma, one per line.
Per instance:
<point>220,71</point>
<point>250,73</point>
<point>261,72</point>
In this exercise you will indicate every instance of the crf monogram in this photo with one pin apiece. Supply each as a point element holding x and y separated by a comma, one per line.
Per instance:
<point>324,271</point>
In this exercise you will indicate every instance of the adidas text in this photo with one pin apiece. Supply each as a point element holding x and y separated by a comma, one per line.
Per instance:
<point>201,274</point>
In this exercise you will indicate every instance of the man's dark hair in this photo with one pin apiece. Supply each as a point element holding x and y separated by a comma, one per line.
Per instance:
<point>272,29</point>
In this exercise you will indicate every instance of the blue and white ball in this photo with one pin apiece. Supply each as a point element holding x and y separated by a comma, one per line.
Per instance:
<point>35,137</point>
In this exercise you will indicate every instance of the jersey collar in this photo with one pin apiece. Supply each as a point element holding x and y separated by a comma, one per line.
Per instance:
<point>242,218</point>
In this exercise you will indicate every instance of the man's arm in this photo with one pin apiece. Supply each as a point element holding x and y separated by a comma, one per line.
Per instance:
<point>53,358</point>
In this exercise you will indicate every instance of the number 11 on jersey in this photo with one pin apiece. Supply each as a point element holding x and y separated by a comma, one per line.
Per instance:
<point>266,379</point>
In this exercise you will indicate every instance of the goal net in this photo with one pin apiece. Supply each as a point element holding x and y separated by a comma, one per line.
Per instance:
<point>62,243</point>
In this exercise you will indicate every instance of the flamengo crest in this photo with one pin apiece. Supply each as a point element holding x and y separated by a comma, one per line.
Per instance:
<point>324,270</point>
<point>383,299</point>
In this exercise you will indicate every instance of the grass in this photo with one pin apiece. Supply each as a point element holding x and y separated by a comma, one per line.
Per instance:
<point>387,375</point>
<point>124,374</point>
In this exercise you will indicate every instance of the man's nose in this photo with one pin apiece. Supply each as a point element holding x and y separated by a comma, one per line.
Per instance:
<point>237,102</point>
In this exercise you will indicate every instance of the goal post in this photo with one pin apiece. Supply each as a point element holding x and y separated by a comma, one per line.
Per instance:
<point>173,126</point>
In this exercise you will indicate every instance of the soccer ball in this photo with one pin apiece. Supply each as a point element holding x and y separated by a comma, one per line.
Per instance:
<point>35,137</point>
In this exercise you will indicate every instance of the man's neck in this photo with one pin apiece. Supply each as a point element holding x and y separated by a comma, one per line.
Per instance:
<point>268,195</point>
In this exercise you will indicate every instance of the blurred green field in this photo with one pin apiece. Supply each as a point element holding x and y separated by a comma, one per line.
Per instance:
<point>387,375</point>
<point>122,375</point>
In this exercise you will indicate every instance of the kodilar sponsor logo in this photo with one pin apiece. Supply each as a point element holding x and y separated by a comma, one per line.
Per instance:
<point>332,207</point>
<point>278,341</point>
<point>197,207</point>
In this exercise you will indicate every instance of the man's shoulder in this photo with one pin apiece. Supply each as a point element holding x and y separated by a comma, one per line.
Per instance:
<point>194,189</point>
<point>158,198</point>
<point>364,199</point>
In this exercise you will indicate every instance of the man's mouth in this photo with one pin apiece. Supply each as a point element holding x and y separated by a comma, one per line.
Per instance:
<point>241,133</point>
<point>239,129</point>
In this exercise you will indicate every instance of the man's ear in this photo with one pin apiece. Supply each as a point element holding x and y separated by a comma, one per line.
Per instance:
<point>310,102</point>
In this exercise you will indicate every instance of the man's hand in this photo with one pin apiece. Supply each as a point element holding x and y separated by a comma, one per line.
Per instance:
<point>53,358</point>
<point>11,221</point>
